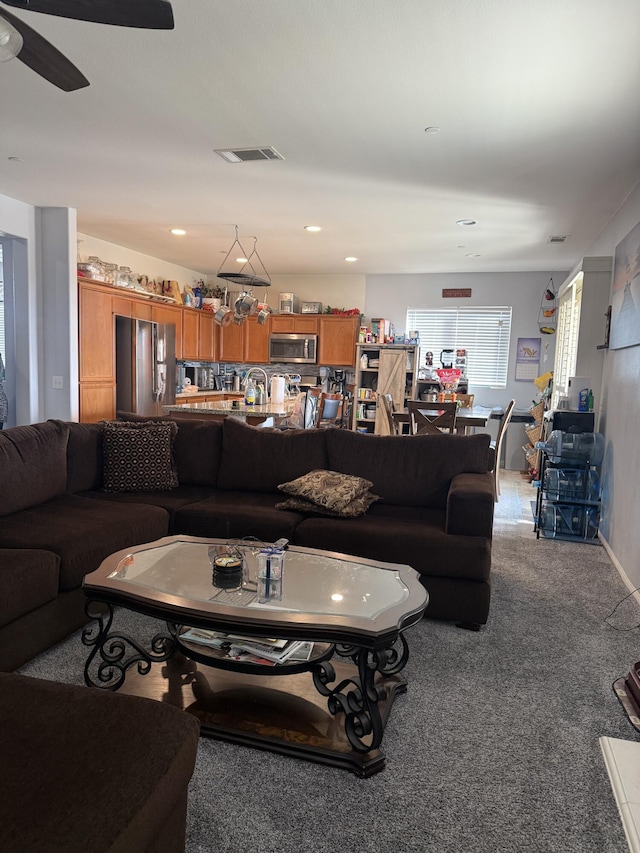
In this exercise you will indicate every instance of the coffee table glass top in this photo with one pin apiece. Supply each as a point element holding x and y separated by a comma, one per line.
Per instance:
<point>317,586</point>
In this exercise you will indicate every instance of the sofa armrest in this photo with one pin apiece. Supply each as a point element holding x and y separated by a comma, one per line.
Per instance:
<point>470,505</point>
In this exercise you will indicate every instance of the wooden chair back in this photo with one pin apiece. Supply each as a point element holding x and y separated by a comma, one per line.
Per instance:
<point>330,409</point>
<point>432,418</point>
<point>465,400</point>
<point>497,445</point>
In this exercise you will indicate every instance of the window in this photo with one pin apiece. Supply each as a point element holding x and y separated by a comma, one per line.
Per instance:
<point>567,337</point>
<point>484,332</point>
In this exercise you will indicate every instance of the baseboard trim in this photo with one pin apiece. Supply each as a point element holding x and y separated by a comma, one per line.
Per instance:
<point>625,578</point>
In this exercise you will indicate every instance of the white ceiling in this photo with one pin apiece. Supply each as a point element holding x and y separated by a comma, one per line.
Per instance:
<point>537,103</point>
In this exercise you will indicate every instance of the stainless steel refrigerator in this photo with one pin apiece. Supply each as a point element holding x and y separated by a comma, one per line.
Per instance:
<point>145,366</point>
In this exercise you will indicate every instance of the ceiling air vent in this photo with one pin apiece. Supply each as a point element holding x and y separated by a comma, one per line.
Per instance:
<point>557,238</point>
<point>244,155</point>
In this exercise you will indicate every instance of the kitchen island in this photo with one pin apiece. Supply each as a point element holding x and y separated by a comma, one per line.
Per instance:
<point>219,410</point>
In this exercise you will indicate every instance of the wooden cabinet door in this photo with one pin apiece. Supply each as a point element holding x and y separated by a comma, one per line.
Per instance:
<point>206,331</point>
<point>190,334</point>
<point>96,332</point>
<point>305,325</point>
<point>300,324</point>
<point>256,346</point>
<point>97,402</point>
<point>140,310</point>
<point>282,323</point>
<point>231,343</point>
<point>169,315</point>
<point>337,340</point>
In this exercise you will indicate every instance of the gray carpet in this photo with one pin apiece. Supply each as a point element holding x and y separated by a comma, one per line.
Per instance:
<point>493,748</point>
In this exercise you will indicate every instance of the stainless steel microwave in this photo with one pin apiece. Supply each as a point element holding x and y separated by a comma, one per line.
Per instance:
<point>298,349</point>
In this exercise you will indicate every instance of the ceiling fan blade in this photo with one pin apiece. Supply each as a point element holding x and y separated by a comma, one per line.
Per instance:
<point>46,60</point>
<point>146,14</point>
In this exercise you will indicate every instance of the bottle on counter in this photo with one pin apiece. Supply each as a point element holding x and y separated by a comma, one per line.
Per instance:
<point>250,393</point>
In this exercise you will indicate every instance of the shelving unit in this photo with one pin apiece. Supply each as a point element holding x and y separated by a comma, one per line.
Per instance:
<point>568,499</point>
<point>367,380</point>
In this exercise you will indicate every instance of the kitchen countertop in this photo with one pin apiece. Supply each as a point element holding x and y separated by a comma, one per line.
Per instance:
<point>225,407</point>
<point>183,395</point>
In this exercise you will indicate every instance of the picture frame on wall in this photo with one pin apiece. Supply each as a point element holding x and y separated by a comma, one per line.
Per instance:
<point>625,301</point>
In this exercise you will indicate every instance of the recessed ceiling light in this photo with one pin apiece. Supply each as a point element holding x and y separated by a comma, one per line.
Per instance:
<point>351,260</point>
<point>312,228</point>
<point>179,232</point>
<point>466,222</point>
<point>432,129</point>
<point>473,255</point>
<point>241,260</point>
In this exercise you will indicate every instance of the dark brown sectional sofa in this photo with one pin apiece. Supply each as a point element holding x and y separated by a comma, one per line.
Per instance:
<point>57,524</point>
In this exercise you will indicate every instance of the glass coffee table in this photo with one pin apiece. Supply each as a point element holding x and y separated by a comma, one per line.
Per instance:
<point>351,612</point>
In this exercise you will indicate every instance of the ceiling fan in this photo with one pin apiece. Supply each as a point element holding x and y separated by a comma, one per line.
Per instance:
<point>18,40</point>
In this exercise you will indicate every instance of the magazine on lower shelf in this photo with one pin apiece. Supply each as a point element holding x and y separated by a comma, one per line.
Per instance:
<point>264,650</point>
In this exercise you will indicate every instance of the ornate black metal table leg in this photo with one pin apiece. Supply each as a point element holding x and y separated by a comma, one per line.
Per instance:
<point>358,697</point>
<point>118,651</point>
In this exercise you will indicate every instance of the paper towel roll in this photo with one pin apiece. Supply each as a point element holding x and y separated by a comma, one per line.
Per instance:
<point>277,390</point>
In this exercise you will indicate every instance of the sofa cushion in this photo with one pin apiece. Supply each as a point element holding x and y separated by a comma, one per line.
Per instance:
<point>234,515</point>
<point>259,459</point>
<point>330,490</point>
<point>82,532</point>
<point>413,536</point>
<point>85,458</point>
<point>358,506</point>
<point>170,500</point>
<point>197,448</point>
<point>33,465</point>
<point>28,579</point>
<point>408,470</point>
<point>138,457</point>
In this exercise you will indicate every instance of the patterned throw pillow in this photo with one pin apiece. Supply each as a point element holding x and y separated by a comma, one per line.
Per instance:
<point>328,489</point>
<point>138,457</point>
<point>358,506</point>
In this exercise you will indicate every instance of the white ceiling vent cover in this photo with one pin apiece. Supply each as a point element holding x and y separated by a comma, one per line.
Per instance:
<point>244,155</point>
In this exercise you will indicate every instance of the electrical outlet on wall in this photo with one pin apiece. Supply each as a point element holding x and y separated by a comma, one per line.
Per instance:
<point>57,382</point>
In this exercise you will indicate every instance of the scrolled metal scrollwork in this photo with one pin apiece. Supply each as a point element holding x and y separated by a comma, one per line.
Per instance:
<point>118,652</point>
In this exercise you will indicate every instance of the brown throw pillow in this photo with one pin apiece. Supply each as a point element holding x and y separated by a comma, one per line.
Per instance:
<point>138,457</point>
<point>358,506</point>
<point>328,489</point>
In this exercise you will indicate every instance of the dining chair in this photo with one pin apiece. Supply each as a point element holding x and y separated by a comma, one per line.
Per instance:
<point>385,402</point>
<point>465,400</point>
<point>497,446</point>
<point>432,418</point>
<point>330,408</point>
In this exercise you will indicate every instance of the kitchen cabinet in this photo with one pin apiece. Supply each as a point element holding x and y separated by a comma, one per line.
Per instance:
<point>96,334</point>
<point>337,340</point>
<point>206,336</point>
<point>190,334</point>
<point>171,315</point>
<point>377,378</point>
<point>299,324</point>
<point>247,343</point>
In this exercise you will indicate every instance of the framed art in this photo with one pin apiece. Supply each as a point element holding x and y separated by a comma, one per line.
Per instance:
<point>625,300</point>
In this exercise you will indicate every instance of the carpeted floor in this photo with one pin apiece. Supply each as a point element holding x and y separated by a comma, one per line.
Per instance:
<point>494,748</point>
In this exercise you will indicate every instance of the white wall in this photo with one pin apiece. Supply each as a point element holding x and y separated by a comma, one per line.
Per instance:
<point>389,296</point>
<point>619,527</point>
<point>139,263</point>
<point>337,291</point>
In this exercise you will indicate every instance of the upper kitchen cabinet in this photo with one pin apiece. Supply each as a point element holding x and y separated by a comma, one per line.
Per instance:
<point>171,316</point>
<point>302,324</point>
<point>207,334</point>
<point>337,339</point>
<point>248,342</point>
<point>190,334</point>
<point>256,350</point>
<point>96,353</point>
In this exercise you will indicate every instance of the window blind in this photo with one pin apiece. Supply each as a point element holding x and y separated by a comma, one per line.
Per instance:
<point>569,305</point>
<point>484,332</point>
